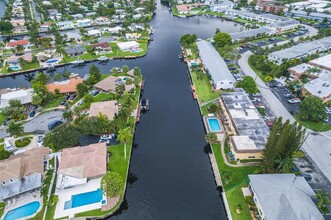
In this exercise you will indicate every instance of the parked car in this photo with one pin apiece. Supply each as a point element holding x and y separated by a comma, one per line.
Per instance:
<point>86,113</point>
<point>106,137</point>
<point>54,124</point>
<point>8,146</point>
<point>289,95</point>
<point>256,100</point>
<point>256,94</point>
<point>295,100</point>
<point>63,102</point>
<point>40,141</point>
<point>144,105</point>
<point>32,114</point>
<point>307,176</point>
<point>104,141</point>
<point>80,102</point>
<point>94,92</point>
<point>72,97</point>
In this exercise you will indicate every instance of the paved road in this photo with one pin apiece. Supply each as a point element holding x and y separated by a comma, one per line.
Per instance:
<point>39,123</point>
<point>318,148</point>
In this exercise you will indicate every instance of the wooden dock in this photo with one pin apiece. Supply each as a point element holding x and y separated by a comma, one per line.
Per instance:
<point>216,172</point>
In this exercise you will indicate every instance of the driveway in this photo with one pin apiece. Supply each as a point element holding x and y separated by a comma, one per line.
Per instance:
<point>38,124</point>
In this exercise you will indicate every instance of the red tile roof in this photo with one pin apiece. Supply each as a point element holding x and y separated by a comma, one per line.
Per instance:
<point>19,42</point>
<point>68,86</point>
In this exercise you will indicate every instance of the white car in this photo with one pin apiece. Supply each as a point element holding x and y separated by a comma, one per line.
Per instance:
<point>256,100</point>
<point>40,141</point>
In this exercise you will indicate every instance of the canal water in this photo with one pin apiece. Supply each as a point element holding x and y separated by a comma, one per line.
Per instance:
<point>171,176</point>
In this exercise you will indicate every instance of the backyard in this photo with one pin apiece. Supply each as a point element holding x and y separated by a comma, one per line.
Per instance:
<point>204,88</point>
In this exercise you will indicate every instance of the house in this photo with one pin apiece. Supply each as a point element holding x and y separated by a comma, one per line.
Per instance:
<point>112,30</point>
<point>23,172</point>
<point>17,22</point>
<point>67,86</point>
<point>78,165</point>
<point>64,25</point>
<point>127,46</point>
<point>102,20</point>
<point>249,132</point>
<point>14,43</point>
<point>186,8</point>
<point>283,196</point>
<point>110,83</point>
<point>283,26</point>
<point>94,33</point>
<point>136,27</point>
<point>44,27</point>
<point>54,14</point>
<point>270,7</point>
<point>215,66</point>
<point>237,36</point>
<point>101,47</point>
<point>319,87</point>
<point>137,16</point>
<point>221,5</point>
<point>84,22</point>
<point>106,39</point>
<point>23,95</point>
<point>107,108</point>
<point>323,62</point>
<point>77,16</point>
<point>72,35</point>
<point>299,70</point>
<point>75,50</point>
<point>15,60</point>
<point>313,15</point>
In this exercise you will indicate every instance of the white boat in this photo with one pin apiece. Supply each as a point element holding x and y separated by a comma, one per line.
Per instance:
<point>103,58</point>
<point>77,62</point>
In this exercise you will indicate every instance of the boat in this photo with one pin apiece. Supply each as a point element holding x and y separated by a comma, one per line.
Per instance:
<point>151,38</point>
<point>78,61</point>
<point>103,58</point>
<point>50,68</point>
<point>180,56</point>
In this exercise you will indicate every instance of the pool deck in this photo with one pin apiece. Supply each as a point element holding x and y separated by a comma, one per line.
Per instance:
<point>24,199</point>
<point>65,195</point>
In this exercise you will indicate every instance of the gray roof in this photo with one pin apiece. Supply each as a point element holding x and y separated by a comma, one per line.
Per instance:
<point>250,33</point>
<point>75,49</point>
<point>284,196</point>
<point>302,49</point>
<point>73,34</point>
<point>106,39</point>
<point>17,187</point>
<point>213,62</point>
<point>246,118</point>
<point>284,23</point>
<point>313,14</point>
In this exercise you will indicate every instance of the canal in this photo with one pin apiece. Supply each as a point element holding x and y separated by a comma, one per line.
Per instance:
<point>172,176</point>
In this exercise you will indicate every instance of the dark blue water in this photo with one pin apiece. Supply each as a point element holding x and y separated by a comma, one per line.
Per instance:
<point>170,174</point>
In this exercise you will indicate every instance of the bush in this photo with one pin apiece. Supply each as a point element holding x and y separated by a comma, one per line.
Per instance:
<point>249,200</point>
<point>268,78</point>
<point>23,142</point>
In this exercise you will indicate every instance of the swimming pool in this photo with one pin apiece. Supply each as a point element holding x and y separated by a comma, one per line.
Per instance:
<point>84,199</point>
<point>52,61</point>
<point>23,211</point>
<point>15,68</point>
<point>136,50</point>
<point>214,125</point>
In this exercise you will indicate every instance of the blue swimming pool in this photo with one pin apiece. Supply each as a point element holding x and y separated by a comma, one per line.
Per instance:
<point>136,50</point>
<point>15,68</point>
<point>214,125</point>
<point>52,61</point>
<point>23,211</point>
<point>84,199</point>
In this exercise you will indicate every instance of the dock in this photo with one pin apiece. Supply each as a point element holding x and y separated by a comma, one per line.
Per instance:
<point>215,169</point>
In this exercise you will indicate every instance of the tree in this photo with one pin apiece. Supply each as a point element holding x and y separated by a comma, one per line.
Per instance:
<point>95,75</point>
<point>136,72</point>
<point>15,129</point>
<point>36,100</point>
<point>65,135</point>
<point>248,84</point>
<point>124,136</point>
<point>188,39</point>
<point>120,88</point>
<point>284,165</point>
<point>5,26</point>
<point>19,49</point>
<point>312,109</point>
<point>111,184</point>
<point>81,89</point>
<point>221,39</point>
<point>67,115</point>
<point>88,98</point>
<point>125,69</point>
<point>284,139</point>
<point>211,137</point>
<point>323,200</point>
<point>200,75</point>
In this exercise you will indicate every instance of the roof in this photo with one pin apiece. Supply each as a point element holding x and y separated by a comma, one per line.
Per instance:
<point>76,49</point>
<point>67,86</point>
<point>246,118</point>
<point>17,187</point>
<point>213,62</point>
<point>24,164</point>
<point>284,196</point>
<point>243,143</point>
<point>18,42</point>
<point>250,33</point>
<point>107,108</point>
<point>323,62</point>
<point>84,162</point>
<point>73,34</point>
<point>108,84</point>
<point>320,87</point>
<point>103,45</point>
<point>301,68</point>
<point>127,45</point>
<point>25,96</point>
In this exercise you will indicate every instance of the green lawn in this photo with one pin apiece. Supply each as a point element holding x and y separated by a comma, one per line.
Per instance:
<point>3,153</point>
<point>258,72</point>
<point>3,117</point>
<point>51,210</point>
<point>117,163</point>
<point>316,126</point>
<point>204,88</point>
<point>232,188</point>
<point>54,103</point>
<point>103,97</point>
<point>2,208</point>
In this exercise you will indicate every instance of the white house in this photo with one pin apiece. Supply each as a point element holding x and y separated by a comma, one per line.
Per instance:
<point>94,33</point>
<point>127,46</point>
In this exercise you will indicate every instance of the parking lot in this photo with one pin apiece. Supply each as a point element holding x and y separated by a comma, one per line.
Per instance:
<point>280,93</point>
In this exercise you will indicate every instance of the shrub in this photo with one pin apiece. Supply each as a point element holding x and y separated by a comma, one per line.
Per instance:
<point>23,142</point>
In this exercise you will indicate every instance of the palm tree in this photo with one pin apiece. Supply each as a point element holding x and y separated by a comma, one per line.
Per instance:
<point>323,200</point>
<point>211,137</point>
<point>15,129</point>
<point>284,165</point>
<point>124,136</point>
<point>68,115</point>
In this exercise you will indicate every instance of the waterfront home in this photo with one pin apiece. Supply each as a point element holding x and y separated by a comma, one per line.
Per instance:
<point>15,60</point>
<point>112,30</point>
<point>64,25</point>
<point>110,83</point>
<point>249,132</point>
<point>94,33</point>
<point>23,95</point>
<point>132,36</point>
<point>66,86</point>
<point>186,8</point>
<point>14,43</point>
<point>323,62</point>
<point>107,108</point>
<point>102,20</point>
<point>214,65</point>
<point>23,172</point>
<point>299,70</point>
<point>84,22</point>
<point>77,16</point>
<point>77,165</point>
<point>127,46</point>
<point>301,50</point>
<point>75,50</point>
<point>283,196</point>
<point>72,35</point>
<point>136,27</point>
<point>221,5</point>
<point>101,47</point>
<point>106,39</point>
